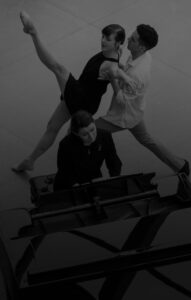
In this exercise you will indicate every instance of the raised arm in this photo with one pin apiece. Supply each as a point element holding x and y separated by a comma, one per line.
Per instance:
<point>120,74</point>
<point>114,74</point>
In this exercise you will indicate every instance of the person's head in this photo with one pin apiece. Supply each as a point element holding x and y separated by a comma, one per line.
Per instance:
<point>113,36</point>
<point>142,39</point>
<point>83,125</point>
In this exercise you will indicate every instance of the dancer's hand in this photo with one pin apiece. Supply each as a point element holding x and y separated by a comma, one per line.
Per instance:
<point>28,26</point>
<point>108,71</point>
<point>120,50</point>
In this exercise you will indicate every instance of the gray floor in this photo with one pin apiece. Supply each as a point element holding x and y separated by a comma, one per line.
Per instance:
<point>71,29</point>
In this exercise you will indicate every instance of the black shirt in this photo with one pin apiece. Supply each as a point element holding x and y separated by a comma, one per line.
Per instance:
<point>93,86</point>
<point>86,92</point>
<point>78,163</point>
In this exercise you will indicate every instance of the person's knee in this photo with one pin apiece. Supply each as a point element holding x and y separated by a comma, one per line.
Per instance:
<point>145,140</point>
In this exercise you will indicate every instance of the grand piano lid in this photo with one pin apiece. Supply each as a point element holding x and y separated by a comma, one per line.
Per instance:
<point>94,249</point>
<point>11,221</point>
<point>176,228</point>
<point>81,246</point>
<point>102,246</point>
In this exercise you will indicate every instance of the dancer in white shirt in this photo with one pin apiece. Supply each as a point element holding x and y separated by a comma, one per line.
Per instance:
<point>130,84</point>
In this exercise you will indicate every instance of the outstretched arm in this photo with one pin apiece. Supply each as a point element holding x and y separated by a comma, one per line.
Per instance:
<point>114,82</point>
<point>44,55</point>
<point>106,74</point>
<point>114,74</point>
<point>120,74</point>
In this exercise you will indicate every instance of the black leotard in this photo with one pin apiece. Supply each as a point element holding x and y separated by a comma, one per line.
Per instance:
<point>86,92</point>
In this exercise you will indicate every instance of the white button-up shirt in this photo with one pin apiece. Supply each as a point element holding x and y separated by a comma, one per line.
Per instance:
<point>127,106</point>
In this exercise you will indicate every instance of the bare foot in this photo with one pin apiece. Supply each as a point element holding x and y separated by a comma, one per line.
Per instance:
<point>25,165</point>
<point>28,26</point>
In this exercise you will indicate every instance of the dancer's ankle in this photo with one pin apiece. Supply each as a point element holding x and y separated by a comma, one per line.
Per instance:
<point>25,165</point>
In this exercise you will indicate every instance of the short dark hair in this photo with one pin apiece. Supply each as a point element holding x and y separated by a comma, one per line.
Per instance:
<point>116,29</point>
<point>148,36</point>
<point>79,120</point>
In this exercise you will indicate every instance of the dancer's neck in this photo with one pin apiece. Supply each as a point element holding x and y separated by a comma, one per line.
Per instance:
<point>111,54</point>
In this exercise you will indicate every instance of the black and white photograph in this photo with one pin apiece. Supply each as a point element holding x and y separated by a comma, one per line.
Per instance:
<point>95,118</point>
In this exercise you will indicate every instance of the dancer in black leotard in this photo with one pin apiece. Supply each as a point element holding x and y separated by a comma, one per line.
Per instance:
<point>84,93</point>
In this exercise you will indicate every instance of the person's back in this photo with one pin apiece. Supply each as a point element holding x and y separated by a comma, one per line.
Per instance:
<point>90,81</point>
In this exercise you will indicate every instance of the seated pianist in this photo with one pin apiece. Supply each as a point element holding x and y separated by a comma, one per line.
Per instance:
<point>82,152</point>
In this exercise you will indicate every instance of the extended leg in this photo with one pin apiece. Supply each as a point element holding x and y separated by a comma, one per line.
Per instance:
<point>60,117</point>
<point>44,55</point>
<point>143,137</point>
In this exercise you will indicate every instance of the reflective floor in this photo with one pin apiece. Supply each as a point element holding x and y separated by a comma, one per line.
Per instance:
<point>71,29</point>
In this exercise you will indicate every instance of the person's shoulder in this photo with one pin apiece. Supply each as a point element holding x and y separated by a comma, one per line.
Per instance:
<point>94,58</point>
<point>102,133</point>
<point>147,57</point>
<point>97,56</point>
<point>67,140</point>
